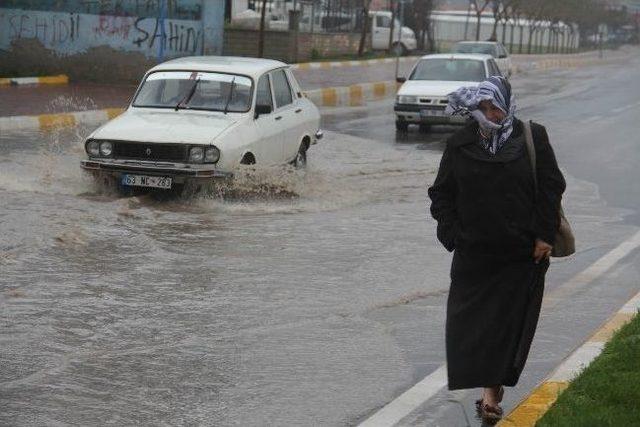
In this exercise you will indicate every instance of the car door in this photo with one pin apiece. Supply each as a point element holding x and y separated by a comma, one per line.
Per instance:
<point>285,113</point>
<point>303,124</point>
<point>380,32</point>
<point>267,146</point>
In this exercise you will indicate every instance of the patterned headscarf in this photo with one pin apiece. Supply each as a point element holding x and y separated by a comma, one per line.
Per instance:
<point>465,101</point>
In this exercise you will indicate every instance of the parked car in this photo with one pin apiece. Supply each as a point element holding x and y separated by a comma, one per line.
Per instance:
<point>195,119</point>
<point>380,25</point>
<point>422,97</point>
<point>495,49</point>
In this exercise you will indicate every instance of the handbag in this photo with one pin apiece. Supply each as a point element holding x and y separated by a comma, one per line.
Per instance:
<point>565,242</point>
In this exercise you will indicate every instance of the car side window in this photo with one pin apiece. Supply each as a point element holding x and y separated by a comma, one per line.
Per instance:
<point>502,52</point>
<point>281,89</point>
<point>263,95</point>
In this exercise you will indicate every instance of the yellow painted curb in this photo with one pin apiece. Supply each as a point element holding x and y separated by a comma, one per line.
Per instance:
<point>5,81</point>
<point>605,333</point>
<point>56,121</point>
<point>379,89</point>
<point>329,97</point>
<point>355,95</point>
<point>527,413</point>
<point>54,80</point>
<point>304,66</point>
<point>112,113</point>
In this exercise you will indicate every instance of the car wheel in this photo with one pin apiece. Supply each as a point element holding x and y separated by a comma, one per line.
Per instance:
<point>425,128</point>
<point>300,161</point>
<point>402,126</point>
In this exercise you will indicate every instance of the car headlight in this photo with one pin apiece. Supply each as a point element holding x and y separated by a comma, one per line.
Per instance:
<point>211,155</point>
<point>406,99</point>
<point>106,148</point>
<point>93,148</point>
<point>196,154</point>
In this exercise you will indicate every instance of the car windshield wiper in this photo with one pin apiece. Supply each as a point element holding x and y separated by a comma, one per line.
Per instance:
<point>226,105</point>
<point>187,98</point>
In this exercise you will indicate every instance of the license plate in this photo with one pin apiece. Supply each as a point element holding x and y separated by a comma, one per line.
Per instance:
<point>431,113</point>
<point>146,181</point>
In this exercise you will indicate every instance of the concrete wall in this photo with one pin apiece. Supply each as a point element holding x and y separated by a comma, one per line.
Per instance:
<point>282,45</point>
<point>61,39</point>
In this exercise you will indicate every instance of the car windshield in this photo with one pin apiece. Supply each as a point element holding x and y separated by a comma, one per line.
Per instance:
<point>195,90</point>
<point>485,48</point>
<point>447,69</point>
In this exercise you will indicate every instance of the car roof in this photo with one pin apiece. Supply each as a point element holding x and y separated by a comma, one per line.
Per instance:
<point>478,56</point>
<point>253,67</point>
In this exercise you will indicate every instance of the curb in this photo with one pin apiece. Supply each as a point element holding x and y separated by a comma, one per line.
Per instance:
<point>352,96</point>
<point>360,63</point>
<point>46,80</point>
<point>540,400</point>
<point>49,122</point>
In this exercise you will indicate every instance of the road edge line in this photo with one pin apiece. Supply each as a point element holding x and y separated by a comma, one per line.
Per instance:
<point>409,401</point>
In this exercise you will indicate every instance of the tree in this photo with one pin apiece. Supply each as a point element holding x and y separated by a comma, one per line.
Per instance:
<point>479,10</point>
<point>418,18</point>
<point>365,26</point>
<point>392,7</point>
<point>261,34</point>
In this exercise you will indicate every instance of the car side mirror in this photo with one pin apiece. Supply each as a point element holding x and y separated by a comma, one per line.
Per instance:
<point>262,109</point>
<point>401,79</point>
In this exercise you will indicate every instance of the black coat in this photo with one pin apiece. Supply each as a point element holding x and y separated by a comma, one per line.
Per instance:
<point>489,212</point>
<point>488,204</point>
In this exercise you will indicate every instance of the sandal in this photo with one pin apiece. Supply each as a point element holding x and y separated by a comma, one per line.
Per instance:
<point>490,414</point>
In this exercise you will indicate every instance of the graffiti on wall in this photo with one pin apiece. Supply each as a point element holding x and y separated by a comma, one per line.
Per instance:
<point>171,9</point>
<point>70,33</point>
<point>173,36</point>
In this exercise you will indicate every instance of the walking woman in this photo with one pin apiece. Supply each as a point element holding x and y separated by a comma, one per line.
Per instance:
<point>501,227</point>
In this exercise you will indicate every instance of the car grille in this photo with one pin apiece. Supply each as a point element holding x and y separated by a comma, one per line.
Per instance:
<point>433,101</point>
<point>150,151</point>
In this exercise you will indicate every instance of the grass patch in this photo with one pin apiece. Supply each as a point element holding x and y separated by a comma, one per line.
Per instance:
<point>607,392</point>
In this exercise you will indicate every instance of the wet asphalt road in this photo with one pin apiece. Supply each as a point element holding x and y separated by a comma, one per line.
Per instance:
<point>300,300</point>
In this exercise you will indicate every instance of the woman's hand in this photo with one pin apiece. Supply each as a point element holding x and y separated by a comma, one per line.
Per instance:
<point>541,250</point>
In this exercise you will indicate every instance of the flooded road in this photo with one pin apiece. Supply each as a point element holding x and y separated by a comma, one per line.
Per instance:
<point>315,302</point>
<point>200,309</point>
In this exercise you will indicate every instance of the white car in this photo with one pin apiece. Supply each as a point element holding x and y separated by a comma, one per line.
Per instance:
<point>404,40</point>
<point>422,97</point>
<point>495,49</point>
<point>198,118</point>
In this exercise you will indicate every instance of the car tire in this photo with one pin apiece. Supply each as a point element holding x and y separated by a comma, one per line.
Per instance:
<point>402,126</point>
<point>300,161</point>
<point>424,128</point>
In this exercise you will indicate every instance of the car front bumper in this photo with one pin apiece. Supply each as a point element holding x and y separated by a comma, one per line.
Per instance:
<point>411,113</point>
<point>179,172</point>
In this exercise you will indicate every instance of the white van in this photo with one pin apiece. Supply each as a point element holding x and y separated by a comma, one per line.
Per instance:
<point>380,23</point>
